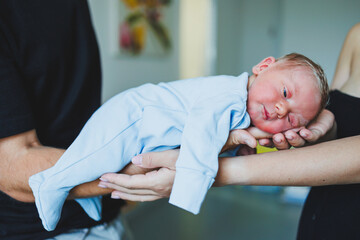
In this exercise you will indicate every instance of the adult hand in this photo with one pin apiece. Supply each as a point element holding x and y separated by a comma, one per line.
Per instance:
<point>244,136</point>
<point>144,187</point>
<point>158,183</point>
<point>314,132</point>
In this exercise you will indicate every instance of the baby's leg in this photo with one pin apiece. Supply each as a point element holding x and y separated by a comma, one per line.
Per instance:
<point>106,144</point>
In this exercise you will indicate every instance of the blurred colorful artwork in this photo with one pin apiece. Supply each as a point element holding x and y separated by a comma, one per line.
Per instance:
<point>142,27</point>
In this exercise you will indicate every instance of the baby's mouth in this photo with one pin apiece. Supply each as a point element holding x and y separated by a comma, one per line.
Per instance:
<point>265,113</point>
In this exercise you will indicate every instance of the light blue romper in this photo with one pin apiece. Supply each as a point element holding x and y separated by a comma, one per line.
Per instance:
<point>195,113</point>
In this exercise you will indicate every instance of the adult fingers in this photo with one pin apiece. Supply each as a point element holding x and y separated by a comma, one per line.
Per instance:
<point>134,197</point>
<point>258,134</point>
<point>280,141</point>
<point>266,142</point>
<point>294,139</point>
<point>158,181</point>
<point>283,141</point>
<point>136,191</point>
<point>113,180</point>
<point>264,138</point>
<point>238,137</point>
<point>137,181</point>
<point>319,127</point>
<point>157,159</point>
<point>299,137</point>
<point>311,135</point>
<point>132,169</point>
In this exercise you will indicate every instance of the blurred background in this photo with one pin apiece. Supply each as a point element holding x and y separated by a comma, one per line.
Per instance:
<point>180,39</point>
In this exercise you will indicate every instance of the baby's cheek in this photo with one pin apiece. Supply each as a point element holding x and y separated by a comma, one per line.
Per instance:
<point>266,127</point>
<point>270,129</point>
<point>275,127</point>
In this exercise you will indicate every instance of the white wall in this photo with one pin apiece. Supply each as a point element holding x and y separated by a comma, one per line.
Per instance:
<point>229,28</point>
<point>247,31</point>
<point>251,30</point>
<point>260,31</point>
<point>121,73</point>
<point>317,28</point>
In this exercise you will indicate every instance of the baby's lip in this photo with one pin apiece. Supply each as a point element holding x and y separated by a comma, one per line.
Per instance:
<point>266,114</point>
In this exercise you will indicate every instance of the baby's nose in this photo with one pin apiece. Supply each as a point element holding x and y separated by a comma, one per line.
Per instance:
<point>281,109</point>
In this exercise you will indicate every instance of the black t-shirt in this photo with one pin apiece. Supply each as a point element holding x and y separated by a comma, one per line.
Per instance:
<point>50,80</point>
<point>333,212</point>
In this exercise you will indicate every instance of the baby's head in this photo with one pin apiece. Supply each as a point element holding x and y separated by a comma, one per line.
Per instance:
<point>286,93</point>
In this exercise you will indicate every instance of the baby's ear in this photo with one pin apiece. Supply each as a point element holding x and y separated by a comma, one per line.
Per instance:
<point>262,65</point>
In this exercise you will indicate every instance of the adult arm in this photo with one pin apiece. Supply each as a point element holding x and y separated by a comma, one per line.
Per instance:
<point>328,163</point>
<point>157,184</point>
<point>315,165</point>
<point>22,155</point>
<point>347,54</point>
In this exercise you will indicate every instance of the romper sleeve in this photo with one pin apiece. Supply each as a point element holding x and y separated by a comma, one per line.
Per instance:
<point>205,132</point>
<point>15,113</point>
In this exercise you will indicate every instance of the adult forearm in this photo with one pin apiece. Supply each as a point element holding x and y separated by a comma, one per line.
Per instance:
<point>18,164</point>
<point>334,162</point>
<point>31,161</point>
<point>21,156</point>
<point>92,189</point>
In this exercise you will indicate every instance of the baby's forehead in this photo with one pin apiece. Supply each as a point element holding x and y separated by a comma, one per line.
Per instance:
<point>307,97</point>
<point>300,75</point>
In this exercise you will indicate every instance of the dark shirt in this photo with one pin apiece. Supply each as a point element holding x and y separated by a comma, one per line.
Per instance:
<point>333,212</point>
<point>50,80</point>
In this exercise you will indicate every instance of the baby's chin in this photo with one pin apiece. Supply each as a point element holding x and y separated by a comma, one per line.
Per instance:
<point>271,129</point>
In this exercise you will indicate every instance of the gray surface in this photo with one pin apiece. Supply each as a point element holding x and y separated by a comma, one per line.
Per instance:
<point>227,213</point>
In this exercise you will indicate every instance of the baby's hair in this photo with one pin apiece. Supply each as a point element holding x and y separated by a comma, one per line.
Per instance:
<point>296,59</point>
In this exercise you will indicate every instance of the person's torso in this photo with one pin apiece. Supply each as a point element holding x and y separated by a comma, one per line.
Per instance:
<point>332,212</point>
<point>54,46</point>
<point>346,109</point>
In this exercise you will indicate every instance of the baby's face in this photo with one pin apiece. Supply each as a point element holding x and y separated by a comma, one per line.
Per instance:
<point>282,98</point>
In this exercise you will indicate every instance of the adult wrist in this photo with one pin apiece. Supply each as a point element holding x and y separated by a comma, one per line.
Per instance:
<point>232,171</point>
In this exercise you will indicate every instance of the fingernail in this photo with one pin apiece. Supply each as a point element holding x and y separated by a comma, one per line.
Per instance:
<point>137,160</point>
<point>103,179</point>
<point>290,137</point>
<point>304,134</point>
<point>113,196</point>
<point>278,140</point>
<point>102,185</point>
